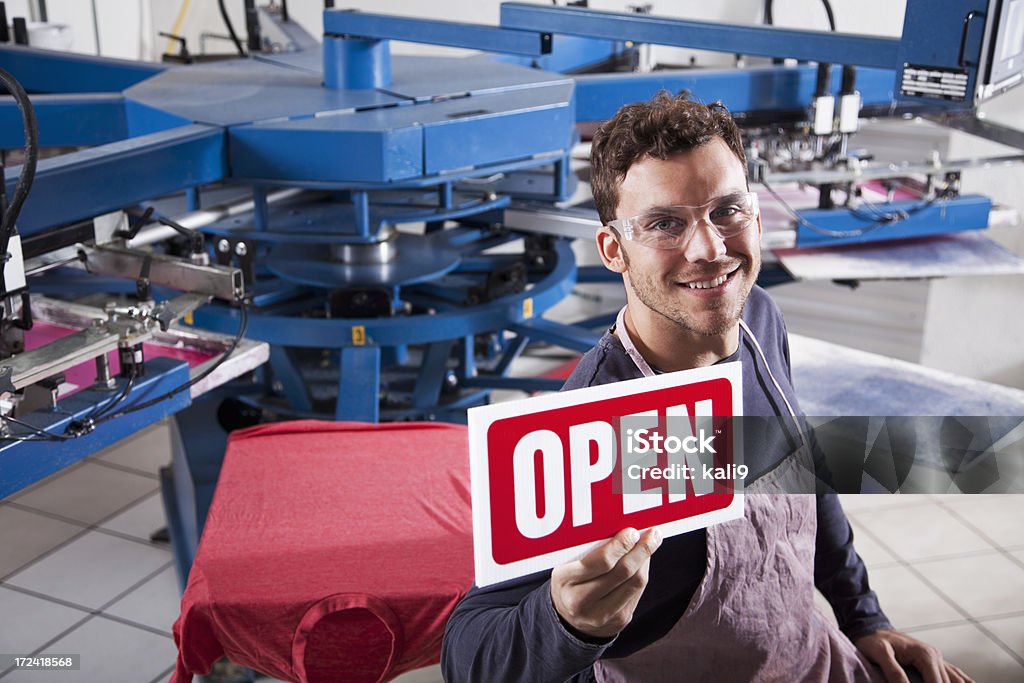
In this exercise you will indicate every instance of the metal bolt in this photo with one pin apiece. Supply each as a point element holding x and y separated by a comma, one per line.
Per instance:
<point>223,246</point>
<point>241,249</point>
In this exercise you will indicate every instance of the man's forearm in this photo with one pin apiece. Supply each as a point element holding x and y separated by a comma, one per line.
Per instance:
<point>489,641</point>
<point>840,575</point>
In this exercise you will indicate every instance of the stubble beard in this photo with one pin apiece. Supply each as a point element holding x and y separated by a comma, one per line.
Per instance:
<point>716,316</point>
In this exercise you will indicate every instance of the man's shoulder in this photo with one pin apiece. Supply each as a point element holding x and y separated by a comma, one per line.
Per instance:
<point>606,362</point>
<point>761,313</point>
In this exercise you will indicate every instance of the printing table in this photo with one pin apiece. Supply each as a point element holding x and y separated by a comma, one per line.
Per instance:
<point>330,547</point>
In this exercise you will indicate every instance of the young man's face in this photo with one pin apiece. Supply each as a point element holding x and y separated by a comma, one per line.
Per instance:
<point>661,279</point>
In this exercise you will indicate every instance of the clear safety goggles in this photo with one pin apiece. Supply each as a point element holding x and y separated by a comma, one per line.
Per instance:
<point>671,227</point>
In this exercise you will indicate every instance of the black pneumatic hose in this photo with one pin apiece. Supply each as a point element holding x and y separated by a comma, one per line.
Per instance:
<point>28,168</point>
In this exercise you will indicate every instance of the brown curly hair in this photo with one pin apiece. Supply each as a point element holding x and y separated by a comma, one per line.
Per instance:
<point>664,126</point>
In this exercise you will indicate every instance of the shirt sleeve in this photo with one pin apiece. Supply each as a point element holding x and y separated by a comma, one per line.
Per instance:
<point>511,632</point>
<point>840,574</point>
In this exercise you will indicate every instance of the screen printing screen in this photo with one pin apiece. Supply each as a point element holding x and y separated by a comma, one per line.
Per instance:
<point>1006,50</point>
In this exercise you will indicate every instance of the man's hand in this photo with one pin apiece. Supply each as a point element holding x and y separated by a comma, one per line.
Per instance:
<point>597,594</point>
<point>889,649</point>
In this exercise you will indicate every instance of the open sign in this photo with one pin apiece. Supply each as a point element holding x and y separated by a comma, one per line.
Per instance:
<point>553,476</point>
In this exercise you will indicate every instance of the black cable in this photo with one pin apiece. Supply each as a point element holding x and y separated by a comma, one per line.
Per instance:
<point>831,15</point>
<point>100,411</point>
<point>100,415</point>
<point>83,426</point>
<point>50,436</point>
<point>881,222</point>
<point>769,19</point>
<point>243,314</point>
<point>28,168</point>
<point>231,28</point>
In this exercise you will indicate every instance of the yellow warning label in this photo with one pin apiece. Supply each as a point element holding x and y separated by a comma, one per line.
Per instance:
<point>528,308</point>
<point>359,335</point>
<point>189,319</point>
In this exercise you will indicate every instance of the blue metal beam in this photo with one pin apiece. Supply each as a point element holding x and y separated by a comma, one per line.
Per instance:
<point>760,89</point>
<point>764,41</point>
<point>570,53</point>
<point>90,182</point>
<point>920,219</point>
<point>47,71</point>
<point>353,24</point>
<point>24,463</point>
<point>559,334</point>
<point>359,384</point>
<point>66,120</point>
<point>528,384</point>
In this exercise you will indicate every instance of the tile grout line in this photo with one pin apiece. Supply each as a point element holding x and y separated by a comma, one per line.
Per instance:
<point>1013,559</point>
<point>886,507</point>
<point>142,627</point>
<point>45,480</point>
<point>92,613</point>
<point>931,627</point>
<point>963,520</point>
<point>86,528</point>
<point>906,565</point>
<point>998,641</point>
<point>46,553</point>
<point>164,674</point>
<point>126,469</point>
<point>98,611</point>
<point>952,603</point>
<point>52,640</point>
<point>971,620</point>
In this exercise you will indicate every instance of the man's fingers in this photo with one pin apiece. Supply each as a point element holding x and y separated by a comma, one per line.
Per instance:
<point>618,605</point>
<point>601,559</point>
<point>928,661</point>
<point>602,604</point>
<point>627,593</point>
<point>886,659</point>
<point>608,557</point>
<point>956,675</point>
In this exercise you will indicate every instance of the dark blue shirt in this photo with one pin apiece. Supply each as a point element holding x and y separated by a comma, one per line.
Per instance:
<point>511,632</point>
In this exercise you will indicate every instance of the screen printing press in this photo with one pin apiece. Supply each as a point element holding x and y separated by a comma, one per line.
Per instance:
<point>327,231</point>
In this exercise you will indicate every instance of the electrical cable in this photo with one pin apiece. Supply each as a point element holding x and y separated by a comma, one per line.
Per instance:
<point>831,15</point>
<point>49,436</point>
<point>231,28</point>
<point>243,322</point>
<point>89,423</point>
<point>769,19</point>
<point>86,424</point>
<point>28,167</point>
<point>100,411</point>
<point>880,222</point>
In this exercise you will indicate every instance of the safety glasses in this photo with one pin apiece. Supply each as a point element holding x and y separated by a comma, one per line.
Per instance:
<point>672,227</point>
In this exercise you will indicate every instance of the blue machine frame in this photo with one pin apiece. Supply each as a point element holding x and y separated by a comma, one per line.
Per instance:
<point>394,140</point>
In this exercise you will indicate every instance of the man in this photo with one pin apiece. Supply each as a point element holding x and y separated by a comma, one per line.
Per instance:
<point>733,602</point>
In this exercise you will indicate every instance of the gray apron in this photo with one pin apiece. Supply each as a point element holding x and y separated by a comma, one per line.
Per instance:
<point>753,618</point>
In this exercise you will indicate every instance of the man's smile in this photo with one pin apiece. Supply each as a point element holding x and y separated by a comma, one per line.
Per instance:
<point>713,281</point>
